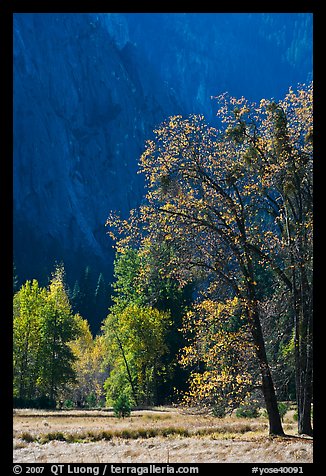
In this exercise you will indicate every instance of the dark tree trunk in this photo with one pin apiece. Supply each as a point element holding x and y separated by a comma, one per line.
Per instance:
<point>304,412</point>
<point>303,349</point>
<point>275,424</point>
<point>304,415</point>
<point>134,392</point>
<point>305,426</point>
<point>302,308</point>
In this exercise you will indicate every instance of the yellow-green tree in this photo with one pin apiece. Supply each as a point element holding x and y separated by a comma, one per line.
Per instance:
<point>89,368</point>
<point>135,338</point>
<point>59,326</point>
<point>27,322</point>
<point>43,327</point>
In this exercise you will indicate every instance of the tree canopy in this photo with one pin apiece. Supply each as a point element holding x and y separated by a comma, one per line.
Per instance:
<point>233,203</point>
<point>43,327</point>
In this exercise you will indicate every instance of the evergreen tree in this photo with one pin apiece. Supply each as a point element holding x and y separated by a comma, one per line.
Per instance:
<point>14,279</point>
<point>86,296</point>
<point>101,298</point>
<point>76,297</point>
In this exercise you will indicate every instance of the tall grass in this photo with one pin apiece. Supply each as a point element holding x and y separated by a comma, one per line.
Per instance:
<point>141,433</point>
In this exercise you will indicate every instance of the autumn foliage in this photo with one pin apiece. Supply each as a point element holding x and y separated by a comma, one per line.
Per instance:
<point>233,203</point>
<point>213,276</point>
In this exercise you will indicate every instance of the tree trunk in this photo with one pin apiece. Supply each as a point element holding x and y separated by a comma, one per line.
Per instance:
<point>304,425</point>
<point>302,309</point>
<point>275,424</point>
<point>53,358</point>
<point>304,414</point>
<point>134,392</point>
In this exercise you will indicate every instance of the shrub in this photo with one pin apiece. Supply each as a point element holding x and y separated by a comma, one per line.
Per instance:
<point>101,403</point>
<point>91,400</point>
<point>282,408</point>
<point>42,402</point>
<point>68,404</point>
<point>27,437</point>
<point>247,411</point>
<point>45,402</point>
<point>121,406</point>
<point>219,411</point>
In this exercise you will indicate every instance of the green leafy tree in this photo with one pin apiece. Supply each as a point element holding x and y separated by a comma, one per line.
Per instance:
<point>127,286</point>
<point>59,327</point>
<point>89,366</point>
<point>43,327</point>
<point>28,305</point>
<point>135,340</point>
<point>139,280</point>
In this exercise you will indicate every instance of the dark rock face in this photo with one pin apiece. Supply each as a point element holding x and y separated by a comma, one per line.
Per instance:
<point>82,113</point>
<point>88,91</point>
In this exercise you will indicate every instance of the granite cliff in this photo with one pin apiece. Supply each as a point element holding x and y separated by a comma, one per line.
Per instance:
<point>90,88</point>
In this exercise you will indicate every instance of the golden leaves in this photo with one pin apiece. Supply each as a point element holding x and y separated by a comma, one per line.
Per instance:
<point>220,199</point>
<point>219,341</point>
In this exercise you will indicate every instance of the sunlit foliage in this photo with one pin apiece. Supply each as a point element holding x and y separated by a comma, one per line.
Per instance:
<point>220,353</point>
<point>43,327</point>
<point>89,366</point>
<point>135,339</point>
<point>232,202</point>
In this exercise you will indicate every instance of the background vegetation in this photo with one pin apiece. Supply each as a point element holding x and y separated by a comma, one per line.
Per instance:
<point>212,300</point>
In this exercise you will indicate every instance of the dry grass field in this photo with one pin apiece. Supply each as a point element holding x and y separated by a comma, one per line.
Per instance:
<point>157,436</point>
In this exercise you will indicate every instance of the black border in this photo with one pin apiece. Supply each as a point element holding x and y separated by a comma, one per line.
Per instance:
<point>7,9</point>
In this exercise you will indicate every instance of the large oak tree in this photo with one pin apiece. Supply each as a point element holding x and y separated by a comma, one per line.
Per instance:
<point>230,201</point>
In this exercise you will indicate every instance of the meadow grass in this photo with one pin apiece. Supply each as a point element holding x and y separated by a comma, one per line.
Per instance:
<point>222,432</point>
<point>148,436</point>
<point>92,427</point>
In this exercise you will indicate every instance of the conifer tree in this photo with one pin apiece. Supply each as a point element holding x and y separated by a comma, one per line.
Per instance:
<point>101,298</point>
<point>14,279</point>
<point>87,298</point>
